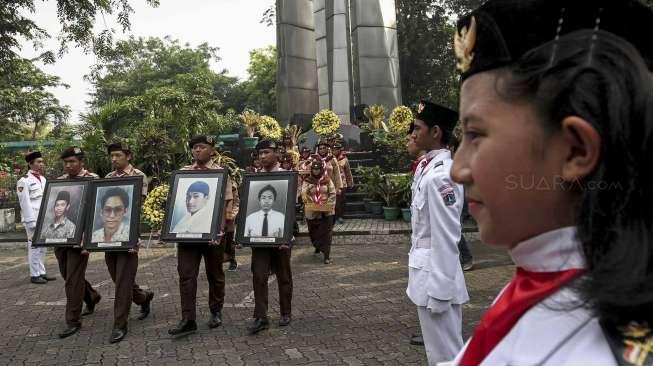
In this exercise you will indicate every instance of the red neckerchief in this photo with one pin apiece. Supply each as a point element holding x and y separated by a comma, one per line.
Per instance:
<point>523,292</point>
<point>37,176</point>
<point>341,156</point>
<point>415,164</point>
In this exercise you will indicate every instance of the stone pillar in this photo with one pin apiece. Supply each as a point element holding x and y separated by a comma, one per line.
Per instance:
<point>296,68</point>
<point>375,56</point>
<point>339,57</point>
<point>319,16</point>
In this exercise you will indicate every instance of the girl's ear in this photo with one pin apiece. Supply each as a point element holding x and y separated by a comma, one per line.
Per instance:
<point>583,147</point>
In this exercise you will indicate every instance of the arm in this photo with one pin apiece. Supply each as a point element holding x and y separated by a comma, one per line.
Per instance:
<point>26,210</point>
<point>444,220</point>
<point>331,199</point>
<point>335,176</point>
<point>348,176</point>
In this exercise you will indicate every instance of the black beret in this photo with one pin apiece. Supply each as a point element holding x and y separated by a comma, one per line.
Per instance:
<point>501,31</point>
<point>317,164</point>
<point>119,146</point>
<point>433,114</point>
<point>72,151</point>
<point>201,139</point>
<point>63,196</point>
<point>30,157</point>
<point>266,144</point>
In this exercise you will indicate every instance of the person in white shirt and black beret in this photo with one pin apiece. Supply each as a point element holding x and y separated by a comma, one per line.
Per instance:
<point>30,189</point>
<point>556,104</point>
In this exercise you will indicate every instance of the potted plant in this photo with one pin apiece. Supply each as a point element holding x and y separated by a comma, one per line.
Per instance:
<point>250,121</point>
<point>372,179</point>
<point>8,199</point>
<point>405,197</point>
<point>392,189</point>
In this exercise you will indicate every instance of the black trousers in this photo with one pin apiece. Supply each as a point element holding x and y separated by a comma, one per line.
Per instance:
<point>189,257</point>
<point>229,247</point>
<point>264,262</point>
<point>321,232</point>
<point>122,268</point>
<point>72,265</point>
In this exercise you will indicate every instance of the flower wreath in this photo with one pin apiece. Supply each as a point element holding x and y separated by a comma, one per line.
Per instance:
<point>154,206</point>
<point>326,122</point>
<point>269,128</point>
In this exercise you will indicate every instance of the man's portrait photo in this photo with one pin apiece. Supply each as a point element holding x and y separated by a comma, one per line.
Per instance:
<point>266,209</point>
<point>193,210</point>
<point>111,221</point>
<point>62,212</point>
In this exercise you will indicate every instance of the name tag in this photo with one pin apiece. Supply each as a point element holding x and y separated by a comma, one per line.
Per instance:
<point>189,235</point>
<point>112,244</point>
<point>262,240</point>
<point>52,240</point>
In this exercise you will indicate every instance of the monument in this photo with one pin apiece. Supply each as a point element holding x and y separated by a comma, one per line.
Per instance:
<point>336,54</point>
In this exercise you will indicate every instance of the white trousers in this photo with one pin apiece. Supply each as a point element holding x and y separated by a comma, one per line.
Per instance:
<point>442,333</point>
<point>35,256</point>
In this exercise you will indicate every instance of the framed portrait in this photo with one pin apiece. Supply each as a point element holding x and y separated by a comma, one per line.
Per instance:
<point>114,214</point>
<point>267,209</point>
<point>62,213</point>
<point>194,207</point>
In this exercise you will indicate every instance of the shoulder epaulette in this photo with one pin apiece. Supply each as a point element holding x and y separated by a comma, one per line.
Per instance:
<point>631,345</point>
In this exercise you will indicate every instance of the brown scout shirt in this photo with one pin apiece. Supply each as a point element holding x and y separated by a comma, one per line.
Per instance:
<point>130,171</point>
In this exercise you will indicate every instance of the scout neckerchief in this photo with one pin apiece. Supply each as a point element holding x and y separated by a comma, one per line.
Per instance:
<point>523,292</point>
<point>317,197</point>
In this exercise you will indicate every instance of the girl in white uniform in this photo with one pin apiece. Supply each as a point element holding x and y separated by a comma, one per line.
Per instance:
<point>557,111</point>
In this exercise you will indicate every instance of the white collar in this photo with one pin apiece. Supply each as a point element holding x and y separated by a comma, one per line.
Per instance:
<point>441,154</point>
<point>553,251</point>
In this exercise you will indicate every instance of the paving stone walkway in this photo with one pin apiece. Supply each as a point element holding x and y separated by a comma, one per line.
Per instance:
<point>353,312</point>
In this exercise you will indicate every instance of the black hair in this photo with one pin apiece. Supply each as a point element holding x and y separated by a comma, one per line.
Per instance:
<point>116,192</point>
<point>267,188</point>
<point>602,79</point>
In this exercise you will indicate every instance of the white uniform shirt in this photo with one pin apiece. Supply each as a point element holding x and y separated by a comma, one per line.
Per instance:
<point>254,224</point>
<point>553,332</point>
<point>435,276</point>
<point>30,193</point>
<point>200,222</point>
<point>122,234</point>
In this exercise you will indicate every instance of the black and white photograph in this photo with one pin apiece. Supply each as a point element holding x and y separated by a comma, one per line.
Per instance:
<point>115,214</point>
<point>267,208</point>
<point>61,217</point>
<point>194,207</point>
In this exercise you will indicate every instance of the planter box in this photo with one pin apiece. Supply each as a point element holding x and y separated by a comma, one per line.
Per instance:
<point>250,142</point>
<point>405,214</point>
<point>391,213</point>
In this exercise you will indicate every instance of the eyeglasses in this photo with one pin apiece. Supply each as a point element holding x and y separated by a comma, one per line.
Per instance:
<point>118,210</point>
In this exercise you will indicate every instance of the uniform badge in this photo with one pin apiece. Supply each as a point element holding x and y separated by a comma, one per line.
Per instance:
<point>20,189</point>
<point>420,107</point>
<point>77,150</point>
<point>448,194</point>
<point>464,42</point>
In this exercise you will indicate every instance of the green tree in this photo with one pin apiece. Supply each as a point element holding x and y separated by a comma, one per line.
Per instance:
<point>27,108</point>
<point>260,88</point>
<point>425,31</point>
<point>156,94</point>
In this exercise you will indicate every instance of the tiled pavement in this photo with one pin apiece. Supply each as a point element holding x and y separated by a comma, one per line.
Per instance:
<point>353,312</point>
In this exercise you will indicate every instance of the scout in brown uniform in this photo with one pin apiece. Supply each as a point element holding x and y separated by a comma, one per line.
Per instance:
<point>189,255</point>
<point>319,196</point>
<point>268,260</point>
<point>333,169</point>
<point>345,176</point>
<point>122,266</point>
<point>73,261</point>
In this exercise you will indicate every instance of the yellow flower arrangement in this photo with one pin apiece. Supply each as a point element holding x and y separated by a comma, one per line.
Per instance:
<point>375,115</point>
<point>269,128</point>
<point>400,119</point>
<point>251,121</point>
<point>154,206</point>
<point>326,122</point>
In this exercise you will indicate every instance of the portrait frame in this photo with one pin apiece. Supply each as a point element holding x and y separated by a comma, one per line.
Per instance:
<point>132,186</point>
<point>174,217</point>
<point>253,184</point>
<point>78,191</point>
